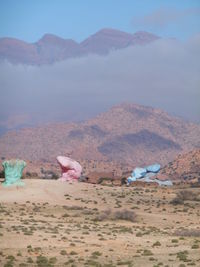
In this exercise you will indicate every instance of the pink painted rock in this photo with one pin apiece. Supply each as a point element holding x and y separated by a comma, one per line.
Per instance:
<point>71,169</point>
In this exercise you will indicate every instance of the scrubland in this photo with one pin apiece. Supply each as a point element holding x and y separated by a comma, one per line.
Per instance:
<point>50,223</point>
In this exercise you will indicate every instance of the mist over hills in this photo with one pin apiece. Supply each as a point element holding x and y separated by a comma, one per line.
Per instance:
<point>128,133</point>
<point>67,81</point>
<point>51,48</point>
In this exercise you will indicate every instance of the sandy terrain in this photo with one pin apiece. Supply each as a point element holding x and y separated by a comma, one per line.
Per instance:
<point>50,223</point>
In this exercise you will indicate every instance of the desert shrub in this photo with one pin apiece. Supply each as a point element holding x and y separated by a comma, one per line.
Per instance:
<point>8,264</point>
<point>104,215</point>
<point>195,246</point>
<point>63,252</point>
<point>54,176</point>
<point>31,174</point>
<point>96,254</point>
<point>147,252</point>
<point>182,255</point>
<point>188,232</point>
<point>174,240</point>
<point>29,260</point>
<point>65,215</point>
<point>187,195</point>
<point>83,179</point>
<point>52,260</point>
<point>139,234</point>
<point>195,185</point>
<point>10,257</point>
<point>73,207</point>
<point>91,262</point>
<point>156,244</point>
<point>127,263</point>
<point>117,215</point>
<point>176,201</point>
<point>102,179</point>
<point>48,174</point>
<point>184,195</point>
<point>124,215</point>
<point>69,261</point>
<point>73,253</point>
<point>43,261</point>
<point>123,181</point>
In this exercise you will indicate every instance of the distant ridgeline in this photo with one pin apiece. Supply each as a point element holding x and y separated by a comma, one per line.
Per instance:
<point>51,48</point>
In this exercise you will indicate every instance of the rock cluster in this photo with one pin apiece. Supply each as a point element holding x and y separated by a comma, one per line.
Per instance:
<point>147,174</point>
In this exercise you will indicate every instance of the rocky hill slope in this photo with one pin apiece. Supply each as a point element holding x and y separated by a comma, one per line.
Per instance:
<point>129,134</point>
<point>185,166</point>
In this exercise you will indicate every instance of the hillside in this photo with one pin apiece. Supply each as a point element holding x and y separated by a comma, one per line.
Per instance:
<point>128,134</point>
<point>185,166</point>
<point>51,48</point>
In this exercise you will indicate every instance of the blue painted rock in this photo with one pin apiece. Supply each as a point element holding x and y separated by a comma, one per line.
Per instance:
<point>153,168</point>
<point>131,179</point>
<point>161,183</point>
<point>139,173</point>
<point>149,174</point>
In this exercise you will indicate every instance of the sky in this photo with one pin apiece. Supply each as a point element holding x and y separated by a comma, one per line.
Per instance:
<point>164,74</point>
<point>29,20</point>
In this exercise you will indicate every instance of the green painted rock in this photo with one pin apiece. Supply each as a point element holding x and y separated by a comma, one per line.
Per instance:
<point>13,172</point>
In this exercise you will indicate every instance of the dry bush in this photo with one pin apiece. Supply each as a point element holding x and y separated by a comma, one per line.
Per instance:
<point>187,232</point>
<point>185,195</point>
<point>73,207</point>
<point>104,215</point>
<point>117,215</point>
<point>102,179</point>
<point>124,215</point>
<point>176,201</point>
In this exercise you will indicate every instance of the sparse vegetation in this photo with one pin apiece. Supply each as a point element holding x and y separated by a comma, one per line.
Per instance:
<point>88,228</point>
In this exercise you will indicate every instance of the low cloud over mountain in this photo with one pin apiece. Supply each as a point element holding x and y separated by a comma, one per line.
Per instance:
<point>163,74</point>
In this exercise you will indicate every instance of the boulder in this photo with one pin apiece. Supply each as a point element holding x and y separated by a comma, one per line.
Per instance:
<point>131,179</point>
<point>161,183</point>
<point>148,175</point>
<point>139,173</point>
<point>71,169</point>
<point>153,168</point>
<point>13,172</point>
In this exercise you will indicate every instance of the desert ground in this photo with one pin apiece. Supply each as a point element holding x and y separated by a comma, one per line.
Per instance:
<point>51,223</point>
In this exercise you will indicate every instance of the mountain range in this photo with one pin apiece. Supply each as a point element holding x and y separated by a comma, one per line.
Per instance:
<point>51,48</point>
<point>128,134</point>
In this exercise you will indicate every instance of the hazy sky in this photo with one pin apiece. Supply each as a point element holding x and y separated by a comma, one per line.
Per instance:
<point>77,19</point>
